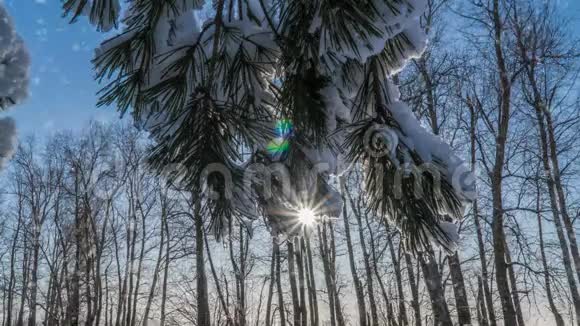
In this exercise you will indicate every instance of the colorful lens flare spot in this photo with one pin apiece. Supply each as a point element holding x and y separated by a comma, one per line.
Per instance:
<point>284,128</point>
<point>281,144</point>
<point>278,146</point>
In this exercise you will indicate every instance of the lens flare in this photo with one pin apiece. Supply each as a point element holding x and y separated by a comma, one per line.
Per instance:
<point>284,128</point>
<point>280,145</point>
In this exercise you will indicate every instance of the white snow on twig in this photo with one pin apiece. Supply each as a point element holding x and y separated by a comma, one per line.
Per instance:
<point>14,80</point>
<point>14,63</point>
<point>7,140</point>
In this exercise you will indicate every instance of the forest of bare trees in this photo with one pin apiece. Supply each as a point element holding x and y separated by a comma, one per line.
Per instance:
<point>91,235</point>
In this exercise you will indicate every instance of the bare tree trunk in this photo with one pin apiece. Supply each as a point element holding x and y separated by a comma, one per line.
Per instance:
<point>563,242</point>
<point>332,253</point>
<point>499,239</point>
<point>313,300</point>
<point>34,273</point>
<point>121,299</point>
<point>366,258</point>
<point>240,274</point>
<point>328,276</point>
<point>463,313</point>
<point>54,288</point>
<point>301,280</point>
<point>547,282</point>
<point>560,190</point>
<point>73,307</point>
<point>271,286</point>
<point>479,228</point>
<point>390,314</point>
<point>100,244</point>
<point>259,310</point>
<point>12,279</point>
<point>35,195</point>
<point>24,293</point>
<point>165,274</point>
<point>396,261</point>
<point>281,307</point>
<point>543,142</point>
<point>139,264</point>
<point>203,313</point>
<point>131,249</point>
<point>58,307</point>
<point>293,286</point>
<point>463,310</point>
<point>481,309</point>
<point>107,320</point>
<point>356,281</point>
<point>4,308</point>
<point>434,286</point>
<point>157,265</point>
<point>497,174</point>
<point>549,154</point>
<point>414,289</point>
<point>514,287</point>
<point>89,316</point>
<point>217,283</point>
<point>243,273</point>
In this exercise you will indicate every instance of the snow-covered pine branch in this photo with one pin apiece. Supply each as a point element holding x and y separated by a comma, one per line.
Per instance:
<point>7,140</point>
<point>209,90</point>
<point>14,65</point>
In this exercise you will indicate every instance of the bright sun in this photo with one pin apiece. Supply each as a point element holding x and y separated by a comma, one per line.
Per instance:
<point>306,217</point>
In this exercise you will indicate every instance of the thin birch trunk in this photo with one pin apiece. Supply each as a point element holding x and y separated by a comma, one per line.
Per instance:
<point>434,287</point>
<point>203,313</point>
<point>549,155</point>
<point>217,284</point>
<point>281,307</point>
<point>543,142</point>
<point>293,285</point>
<point>271,286</point>
<point>403,319</point>
<point>356,281</point>
<point>514,287</point>
<point>313,300</point>
<point>481,309</point>
<point>338,306</point>
<point>568,223</point>
<point>547,281</point>
<point>12,279</point>
<point>366,261</point>
<point>165,275</point>
<point>498,231</point>
<point>462,305</point>
<point>479,228</point>
<point>414,289</point>
<point>301,281</point>
<point>327,272</point>
<point>157,267</point>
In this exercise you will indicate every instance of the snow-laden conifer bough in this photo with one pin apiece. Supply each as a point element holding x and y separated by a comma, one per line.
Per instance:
<point>211,91</point>
<point>14,65</point>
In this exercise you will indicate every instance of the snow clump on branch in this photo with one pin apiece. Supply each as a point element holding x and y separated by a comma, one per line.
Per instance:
<point>14,80</point>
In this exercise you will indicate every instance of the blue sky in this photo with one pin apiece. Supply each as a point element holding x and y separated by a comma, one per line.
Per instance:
<point>62,92</point>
